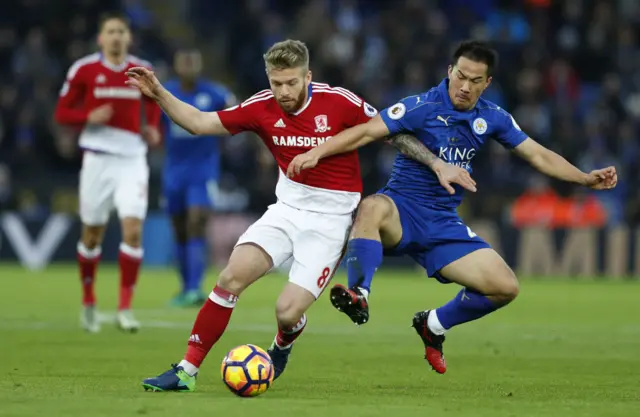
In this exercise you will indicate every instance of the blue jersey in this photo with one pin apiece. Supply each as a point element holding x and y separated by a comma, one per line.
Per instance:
<point>200,155</point>
<point>192,163</point>
<point>454,136</point>
<point>432,232</point>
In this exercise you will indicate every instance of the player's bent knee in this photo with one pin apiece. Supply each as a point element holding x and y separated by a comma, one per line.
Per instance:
<point>288,313</point>
<point>373,209</point>
<point>507,288</point>
<point>233,280</point>
<point>248,262</point>
<point>511,290</point>
<point>292,304</point>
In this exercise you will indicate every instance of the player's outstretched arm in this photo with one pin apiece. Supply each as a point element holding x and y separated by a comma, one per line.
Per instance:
<point>348,140</point>
<point>447,173</point>
<point>186,116</point>
<point>554,165</point>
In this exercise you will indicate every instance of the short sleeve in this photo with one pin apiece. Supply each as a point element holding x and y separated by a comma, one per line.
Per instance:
<point>404,116</point>
<point>508,133</point>
<point>240,118</point>
<point>354,110</point>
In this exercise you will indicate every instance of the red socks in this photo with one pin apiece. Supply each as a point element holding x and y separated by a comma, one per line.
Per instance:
<point>88,260</point>
<point>286,337</point>
<point>210,324</point>
<point>129,260</point>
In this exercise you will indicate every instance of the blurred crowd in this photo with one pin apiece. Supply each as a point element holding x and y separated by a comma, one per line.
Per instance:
<point>567,73</point>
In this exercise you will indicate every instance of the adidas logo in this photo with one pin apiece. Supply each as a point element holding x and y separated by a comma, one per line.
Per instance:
<point>279,123</point>
<point>195,339</point>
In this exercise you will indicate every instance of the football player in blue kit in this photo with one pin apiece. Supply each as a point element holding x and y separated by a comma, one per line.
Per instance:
<point>191,171</point>
<point>414,215</point>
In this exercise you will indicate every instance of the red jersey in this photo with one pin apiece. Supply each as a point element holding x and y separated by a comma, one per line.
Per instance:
<point>335,184</point>
<point>92,82</point>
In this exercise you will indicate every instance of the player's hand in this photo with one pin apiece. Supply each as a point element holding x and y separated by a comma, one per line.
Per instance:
<point>602,179</point>
<point>144,80</point>
<point>450,174</point>
<point>100,115</point>
<point>151,135</point>
<point>300,162</point>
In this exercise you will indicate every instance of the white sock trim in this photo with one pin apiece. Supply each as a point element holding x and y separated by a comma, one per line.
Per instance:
<point>224,302</point>
<point>434,323</point>
<point>131,251</point>
<point>275,342</point>
<point>88,253</point>
<point>188,367</point>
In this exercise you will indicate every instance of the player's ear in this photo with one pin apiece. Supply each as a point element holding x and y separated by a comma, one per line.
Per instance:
<point>450,71</point>
<point>308,77</point>
<point>489,79</point>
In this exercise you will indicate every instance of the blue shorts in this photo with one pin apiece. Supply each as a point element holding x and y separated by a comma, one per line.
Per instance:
<point>181,192</point>
<point>433,238</point>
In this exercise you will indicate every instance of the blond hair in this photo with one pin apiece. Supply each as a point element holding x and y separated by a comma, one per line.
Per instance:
<point>287,54</point>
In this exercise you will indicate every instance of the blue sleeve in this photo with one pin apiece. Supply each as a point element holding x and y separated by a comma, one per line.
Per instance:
<point>230,99</point>
<point>508,133</point>
<point>225,98</point>
<point>407,115</point>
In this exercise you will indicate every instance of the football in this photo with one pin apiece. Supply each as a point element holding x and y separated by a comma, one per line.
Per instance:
<point>247,371</point>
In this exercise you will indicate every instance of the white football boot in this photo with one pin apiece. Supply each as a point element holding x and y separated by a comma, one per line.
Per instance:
<point>127,322</point>
<point>89,319</point>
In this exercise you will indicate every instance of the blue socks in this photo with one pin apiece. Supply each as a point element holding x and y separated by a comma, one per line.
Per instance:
<point>191,260</point>
<point>467,305</point>
<point>196,263</point>
<point>181,260</point>
<point>364,256</point>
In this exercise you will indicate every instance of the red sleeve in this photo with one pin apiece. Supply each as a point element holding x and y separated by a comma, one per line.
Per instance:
<point>240,118</point>
<point>69,109</point>
<point>152,111</point>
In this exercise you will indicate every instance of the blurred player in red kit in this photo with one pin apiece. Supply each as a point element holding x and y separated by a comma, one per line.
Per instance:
<point>309,223</point>
<point>117,124</point>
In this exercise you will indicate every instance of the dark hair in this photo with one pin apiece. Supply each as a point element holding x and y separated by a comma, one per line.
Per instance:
<point>477,51</point>
<point>105,17</point>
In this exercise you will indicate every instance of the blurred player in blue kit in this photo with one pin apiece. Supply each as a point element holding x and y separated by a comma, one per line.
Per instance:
<point>414,215</point>
<point>191,171</point>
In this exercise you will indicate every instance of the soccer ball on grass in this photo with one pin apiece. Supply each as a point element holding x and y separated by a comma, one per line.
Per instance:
<point>247,371</point>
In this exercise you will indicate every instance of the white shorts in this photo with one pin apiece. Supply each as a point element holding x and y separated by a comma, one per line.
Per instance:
<point>315,241</point>
<point>110,181</point>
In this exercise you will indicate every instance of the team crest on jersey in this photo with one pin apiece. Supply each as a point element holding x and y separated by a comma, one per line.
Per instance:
<point>322,125</point>
<point>202,101</point>
<point>369,110</point>
<point>396,111</point>
<point>479,126</point>
<point>101,79</point>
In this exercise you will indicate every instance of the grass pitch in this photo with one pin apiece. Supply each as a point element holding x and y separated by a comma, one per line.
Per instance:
<point>564,348</point>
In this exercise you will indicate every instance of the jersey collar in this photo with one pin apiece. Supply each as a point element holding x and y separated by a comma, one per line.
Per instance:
<point>303,108</point>
<point>115,68</point>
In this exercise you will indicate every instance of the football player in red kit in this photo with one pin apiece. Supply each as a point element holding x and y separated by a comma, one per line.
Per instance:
<point>117,125</point>
<point>310,222</point>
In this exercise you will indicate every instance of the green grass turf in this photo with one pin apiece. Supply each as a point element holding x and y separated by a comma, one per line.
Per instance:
<point>564,348</point>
